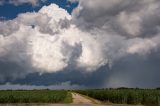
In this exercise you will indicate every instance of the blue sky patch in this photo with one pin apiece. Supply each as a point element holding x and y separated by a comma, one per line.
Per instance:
<point>10,11</point>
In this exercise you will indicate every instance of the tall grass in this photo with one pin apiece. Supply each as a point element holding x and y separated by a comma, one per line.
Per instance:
<point>125,96</point>
<point>34,96</point>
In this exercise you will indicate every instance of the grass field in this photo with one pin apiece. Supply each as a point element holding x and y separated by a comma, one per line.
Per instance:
<point>35,96</point>
<point>125,96</point>
<point>145,97</point>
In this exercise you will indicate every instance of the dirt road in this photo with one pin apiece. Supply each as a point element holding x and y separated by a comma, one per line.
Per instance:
<point>79,100</point>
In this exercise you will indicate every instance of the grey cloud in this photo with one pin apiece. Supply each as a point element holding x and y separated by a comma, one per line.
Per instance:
<point>127,72</point>
<point>94,79</point>
<point>21,2</point>
<point>14,62</point>
<point>64,23</point>
<point>8,27</point>
<point>72,53</point>
<point>11,70</point>
<point>64,85</point>
<point>129,18</point>
<point>40,20</point>
<point>136,71</point>
<point>1,2</point>
<point>72,1</point>
<point>129,26</point>
<point>37,20</point>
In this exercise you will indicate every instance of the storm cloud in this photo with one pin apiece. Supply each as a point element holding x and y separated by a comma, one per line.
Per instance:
<point>110,43</point>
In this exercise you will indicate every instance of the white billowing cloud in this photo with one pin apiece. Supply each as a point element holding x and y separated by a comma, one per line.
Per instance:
<point>25,41</point>
<point>133,24</point>
<point>44,41</point>
<point>58,13</point>
<point>87,59</point>
<point>8,27</point>
<point>53,21</point>
<point>96,34</point>
<point>13,45</point>
<point>141,46</point>
<point>46,52</point>
<point>56,52</point>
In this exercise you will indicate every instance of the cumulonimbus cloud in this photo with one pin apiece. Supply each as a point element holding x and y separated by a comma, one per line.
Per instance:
<point>96,34</point>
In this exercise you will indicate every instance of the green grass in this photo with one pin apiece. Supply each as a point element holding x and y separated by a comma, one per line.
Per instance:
<point>68,98</point>
<point>125,96</point>
<point>35,96</point>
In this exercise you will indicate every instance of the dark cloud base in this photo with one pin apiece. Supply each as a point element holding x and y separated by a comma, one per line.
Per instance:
<point>132,71</point>
<point>94,79</point>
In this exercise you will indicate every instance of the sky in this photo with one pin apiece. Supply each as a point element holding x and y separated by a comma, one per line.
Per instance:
<point>79,44</point>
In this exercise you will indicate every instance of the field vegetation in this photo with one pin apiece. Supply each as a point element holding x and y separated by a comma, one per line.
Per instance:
<point>145,97</point>
<point>35,96</point>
